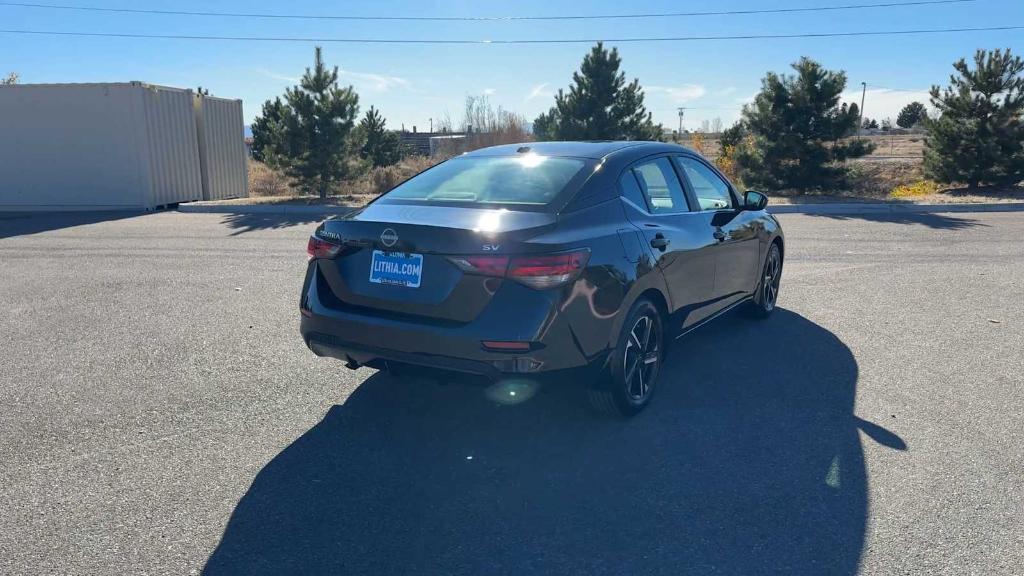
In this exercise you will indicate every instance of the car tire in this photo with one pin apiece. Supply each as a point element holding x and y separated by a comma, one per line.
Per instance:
<point>766,295</point>
<point>630,379</point>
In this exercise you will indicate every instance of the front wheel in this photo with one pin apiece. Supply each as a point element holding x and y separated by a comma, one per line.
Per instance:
<point>629,383</point>
<point>767,293</point>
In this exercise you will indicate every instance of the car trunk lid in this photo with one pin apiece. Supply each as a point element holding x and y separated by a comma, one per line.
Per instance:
<point>384,244</point>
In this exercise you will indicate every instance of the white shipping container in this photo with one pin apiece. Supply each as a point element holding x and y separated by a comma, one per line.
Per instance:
<point>222,154</point>
<point>97,146</point>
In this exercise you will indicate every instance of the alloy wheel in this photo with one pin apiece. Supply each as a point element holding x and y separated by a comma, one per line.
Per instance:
<point>770,282</point>
<point>640,362</point>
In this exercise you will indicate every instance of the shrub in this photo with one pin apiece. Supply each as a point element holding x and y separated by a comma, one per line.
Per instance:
<point>919,188</point>
<point>376,181</point>
<point>266,181</point>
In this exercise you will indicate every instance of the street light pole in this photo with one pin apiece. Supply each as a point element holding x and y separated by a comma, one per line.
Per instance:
<point>680,132</point>
<point>860,121</point>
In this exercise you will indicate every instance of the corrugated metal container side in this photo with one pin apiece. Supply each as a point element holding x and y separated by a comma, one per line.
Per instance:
<point>70,147</point>
<point>173,151</point>
<point>222,148</point>
<point>96,147</point>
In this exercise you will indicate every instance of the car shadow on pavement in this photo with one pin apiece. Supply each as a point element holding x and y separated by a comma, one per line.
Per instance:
<point>929,219</point>
<point>748,461</point>
<point>24,223</point>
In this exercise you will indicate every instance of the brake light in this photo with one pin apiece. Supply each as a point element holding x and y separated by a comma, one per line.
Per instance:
<point>483,265</point>
<point>319,248</point>
<point>542,271</point>
<point>505,346</point>
<point>549,270</point>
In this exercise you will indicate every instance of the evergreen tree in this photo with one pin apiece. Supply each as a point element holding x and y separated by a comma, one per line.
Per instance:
<point>797,126</point>
<point>599,105</point>
<point>978,134</point>
<point>309,133</point>
<point>732,136</point>
<point>911,115</point>
<point>870,124</point>
<point>380,146</point>
<point>545,127</point>
<point>269,143</point>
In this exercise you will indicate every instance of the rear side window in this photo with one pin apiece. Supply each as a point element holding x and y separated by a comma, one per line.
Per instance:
<point>661,187</point>
<point>526,179</point>
<point>631,189</point>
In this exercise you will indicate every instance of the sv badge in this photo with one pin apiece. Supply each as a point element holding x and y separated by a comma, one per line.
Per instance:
<point>491,247</point>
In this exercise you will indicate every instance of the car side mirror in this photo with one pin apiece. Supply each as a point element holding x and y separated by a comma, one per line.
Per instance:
<point>754,200</point>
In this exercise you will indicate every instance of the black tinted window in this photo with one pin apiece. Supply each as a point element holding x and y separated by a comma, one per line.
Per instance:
<point>631,190</point>
<point>659,183</point>
<point>527,179</point>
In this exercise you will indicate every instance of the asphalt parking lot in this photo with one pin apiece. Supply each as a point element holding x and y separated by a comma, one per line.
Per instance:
<point>161,415</point>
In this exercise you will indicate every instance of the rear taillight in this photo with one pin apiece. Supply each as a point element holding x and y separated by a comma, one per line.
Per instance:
<point>542,271</point>
<point>547,271</point>
<point>483,265</point>
<point>317,248</point>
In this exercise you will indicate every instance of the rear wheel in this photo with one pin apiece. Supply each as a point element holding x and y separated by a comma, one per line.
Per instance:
<point>767,293</point>
<point>636,361</point>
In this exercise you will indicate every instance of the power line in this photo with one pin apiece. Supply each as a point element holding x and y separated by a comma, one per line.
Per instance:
<point>512,41</point>
<point>898,89</point>
<point>483,18</point>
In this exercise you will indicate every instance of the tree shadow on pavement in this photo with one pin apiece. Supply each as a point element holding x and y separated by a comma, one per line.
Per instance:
<point>24,223</point>
<point>242,223</point>
<point>748,461</point>
<point>931,220</point>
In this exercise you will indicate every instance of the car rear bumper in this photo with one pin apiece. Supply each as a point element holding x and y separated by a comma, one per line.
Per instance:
<point>362,338</point>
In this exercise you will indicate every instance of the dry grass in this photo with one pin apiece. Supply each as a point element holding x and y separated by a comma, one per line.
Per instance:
<point>266,181</point>
<point>902,145</point>
<point>877,179</point>
<point>379,180</point>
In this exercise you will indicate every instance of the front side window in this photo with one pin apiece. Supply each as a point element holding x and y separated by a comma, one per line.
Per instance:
<point>527,179</point>
<point>659,183</point>
<point>712,192</point>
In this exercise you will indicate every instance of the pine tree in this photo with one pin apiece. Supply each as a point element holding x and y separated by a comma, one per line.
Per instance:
<point>733,135</point>
<point>309,133</point>
<point>599,104</point>
<point>797,126</point>
<point>380,146</point>
<point>269,142</point>
<point>978,135</point>
<point>545,127</point>
<point>870,124</point>
<point>911,115</point>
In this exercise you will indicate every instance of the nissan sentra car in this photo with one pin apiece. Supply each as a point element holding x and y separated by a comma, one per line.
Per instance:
<point>574,260</point>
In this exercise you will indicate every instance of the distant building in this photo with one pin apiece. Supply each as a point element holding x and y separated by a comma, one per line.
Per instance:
<point>423,143</point>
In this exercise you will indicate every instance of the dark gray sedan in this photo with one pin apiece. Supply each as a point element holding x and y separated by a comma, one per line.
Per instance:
<point>544,259</point>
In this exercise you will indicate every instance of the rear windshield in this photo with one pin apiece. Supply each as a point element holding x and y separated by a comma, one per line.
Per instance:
<point>526,179</point>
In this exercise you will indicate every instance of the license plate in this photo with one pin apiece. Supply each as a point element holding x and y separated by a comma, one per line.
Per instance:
<point>396,268</point>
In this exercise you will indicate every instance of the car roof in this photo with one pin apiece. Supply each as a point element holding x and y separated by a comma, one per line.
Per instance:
<point>588,149</point>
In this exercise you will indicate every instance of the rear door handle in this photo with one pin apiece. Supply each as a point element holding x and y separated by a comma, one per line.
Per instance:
<point>719,234</point>
<point>659,241</point>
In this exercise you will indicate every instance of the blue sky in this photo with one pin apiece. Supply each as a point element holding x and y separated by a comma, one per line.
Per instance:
<point>411,84</point>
